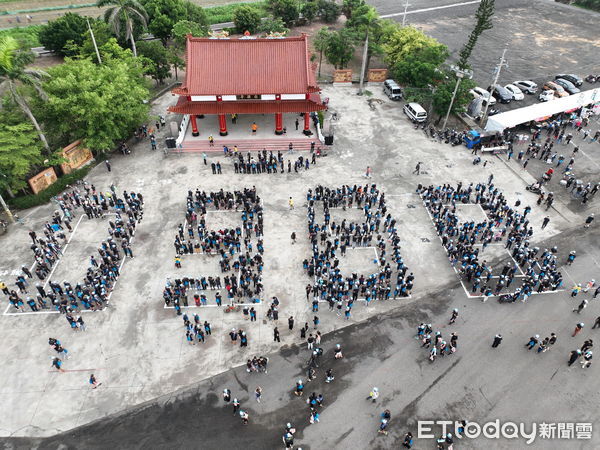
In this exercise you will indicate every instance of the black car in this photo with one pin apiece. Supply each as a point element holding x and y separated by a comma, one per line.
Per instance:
<point>567,85</point>
<point>575,79</point>
<point>502,94</point>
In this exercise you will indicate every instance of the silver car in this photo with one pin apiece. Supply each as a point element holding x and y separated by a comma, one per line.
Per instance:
<point>529,87</point>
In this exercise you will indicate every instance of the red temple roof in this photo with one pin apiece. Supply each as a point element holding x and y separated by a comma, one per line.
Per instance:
<point>248,66</point>
<point>184,106</point>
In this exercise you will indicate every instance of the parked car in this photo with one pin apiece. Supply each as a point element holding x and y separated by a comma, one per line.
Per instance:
<point>567,85</point>
<point>480,92</point>
<point>500,93</point>
<point>558,90</point>
<point>517,94</point>
<point>392,90</point>
<point>529,87</point>
<point>415,112</point>
<point>546,95</point>
<point>575,79</point>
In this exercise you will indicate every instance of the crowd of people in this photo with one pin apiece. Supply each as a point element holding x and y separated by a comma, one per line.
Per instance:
<point>268,162</point>
<point>92,292</point>
<point>239,249</point>
<point>434,342</point>
<point>466,241</point>
<point>330,241</point>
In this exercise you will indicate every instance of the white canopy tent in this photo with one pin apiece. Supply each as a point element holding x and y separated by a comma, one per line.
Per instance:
<point>516,117</point>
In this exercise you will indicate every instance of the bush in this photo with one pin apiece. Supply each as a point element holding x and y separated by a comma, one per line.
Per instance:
<point>271,25</point>
<point>329,11</point>
<point>246,18</point>
<point>70,27</point>
<point>309,10</point>
<point>27,37</point>
<point>286,10</point>
<point>29,201</point>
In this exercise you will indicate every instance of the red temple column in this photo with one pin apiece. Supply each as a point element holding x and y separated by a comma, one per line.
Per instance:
<point>194,125</point>
<point>306,122</point>
<point>222,125</point>
<point>278,123</point>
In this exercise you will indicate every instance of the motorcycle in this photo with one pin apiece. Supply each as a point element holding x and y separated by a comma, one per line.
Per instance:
<point>535,188</point>
<point>506,298</point>
<point>593,78</point>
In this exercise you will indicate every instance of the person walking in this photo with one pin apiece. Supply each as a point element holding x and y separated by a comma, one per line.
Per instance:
<point>545,222</point>
<point>373,395</point>
<point>582,305</point>
<point>276,335</point>
<point>368,172</point>
<point>94,382</point>
<point>291,203</point>
<point>291,323</point>
<point>417,170</point>
<point>577,329</point>
<point>532,342</point>
<point>589,221</point>
<point>497,341</point>
<point>236,406</point>
<point>575,354</point>
<point>254,127</point>
<point>258,393</point>
<point>293,237</point>
<point>587,359</point>
<point>108,166</point>
<point>454,316</point>
<point>226,396</point>
<point>596,323</point>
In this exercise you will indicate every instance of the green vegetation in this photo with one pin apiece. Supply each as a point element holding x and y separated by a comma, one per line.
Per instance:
<point>225,13</point>
<point>483,15</point>
<point>589,4</point>
<point>246,18</point>
<point>29,201</point>
<point>27,37</point>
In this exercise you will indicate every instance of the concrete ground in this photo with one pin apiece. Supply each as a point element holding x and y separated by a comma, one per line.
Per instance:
<point>158,391</point>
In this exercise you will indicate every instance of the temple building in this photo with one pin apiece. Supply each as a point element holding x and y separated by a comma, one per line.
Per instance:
<point>227,77</point>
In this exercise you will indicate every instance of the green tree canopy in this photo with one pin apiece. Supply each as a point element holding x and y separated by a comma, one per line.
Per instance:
<point>100,104</point>
<point>246,18</point>
<point>286,10</point>
<point>155,59</point>
<point>443,95</point>
<point>420,68</point>
<point>14,75</point>
<point>272,25</point>
<point>164,14</point>
<point>329,10</point>
<point>348,7</point>
<point>309,10</point>
<point>70,27</point>
<point>20,150</point>
<point>184,27</point>
<point>340,48</point>
<point>124,16</point>
<point>405,40</point>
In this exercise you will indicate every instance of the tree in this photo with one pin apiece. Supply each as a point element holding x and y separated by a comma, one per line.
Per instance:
<point>184,27</point>
<point>321,42</point>
<point>175,60</point>
<point>405,40</point>
<point>102,34</point>
<point>100,104</point>
<point>155,60</point>
<point>164,14</point>
<point>340,48</point>
<point>443,95</point>
<point>309,10</point>
<point>20,151</point>
<point>272,25</point>
<point>286,10</point>
<point>348,6</point>
<point>55,35</point>
<point>124,10</point>
<point>484,14</point>
<point>420,68</point>
<point>246,18</point>
<point>13,74</point>
<point>329,11</point>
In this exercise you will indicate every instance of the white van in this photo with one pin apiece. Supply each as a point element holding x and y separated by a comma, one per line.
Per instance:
<point>392,90</point>
<point>415,112</point>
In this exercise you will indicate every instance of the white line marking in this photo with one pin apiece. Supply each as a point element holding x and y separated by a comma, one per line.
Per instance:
<point>416,11</point>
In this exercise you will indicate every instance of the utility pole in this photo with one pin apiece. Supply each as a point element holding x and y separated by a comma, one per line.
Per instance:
<point>364,64</point>
<point>460,74</point>
<point>498,68</point>
<point>406,5</point>
<point>94,40</point>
